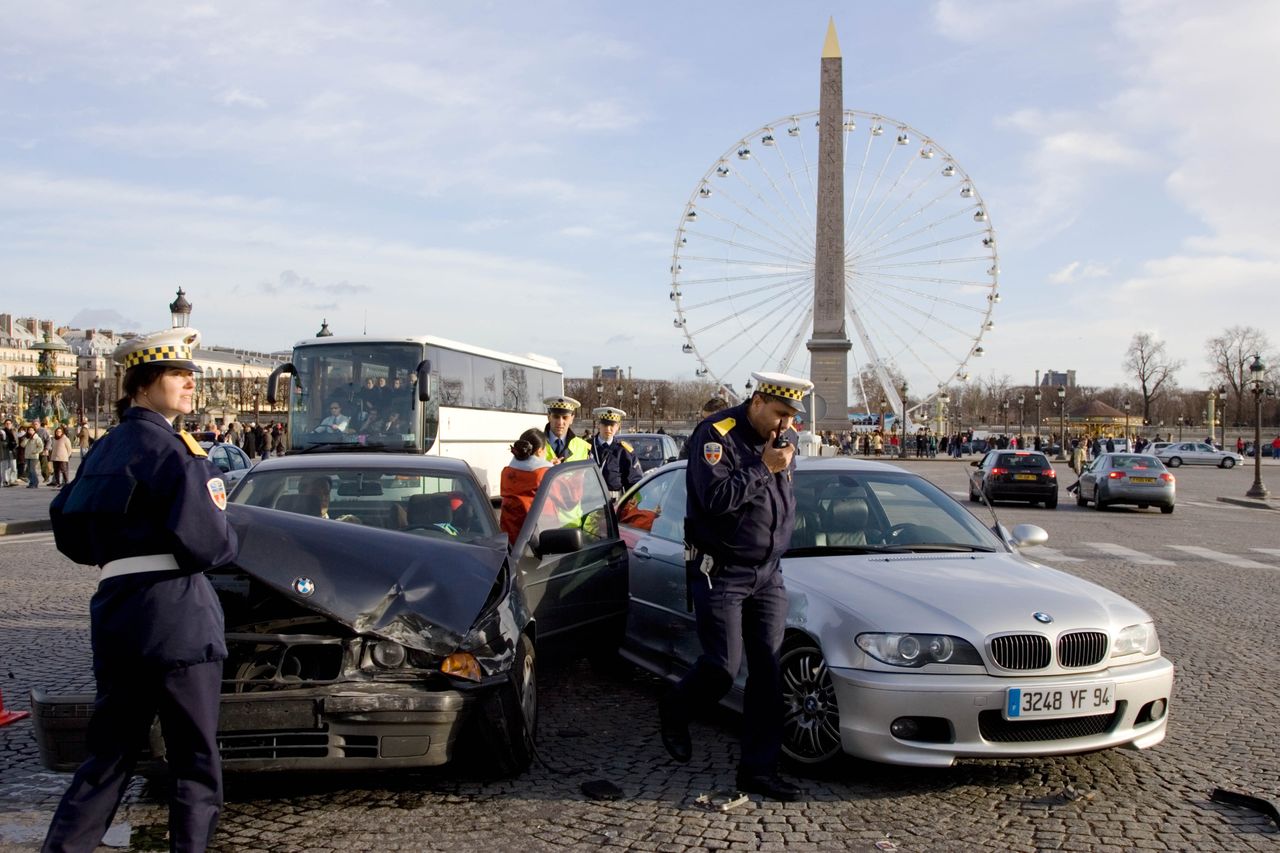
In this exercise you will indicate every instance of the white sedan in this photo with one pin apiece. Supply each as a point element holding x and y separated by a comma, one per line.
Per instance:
<point>916,635</point>
<point>1197,453</point>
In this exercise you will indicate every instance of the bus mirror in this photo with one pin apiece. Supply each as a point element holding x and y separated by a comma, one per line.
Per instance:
<point>274,378</point>
<point>423,372</point>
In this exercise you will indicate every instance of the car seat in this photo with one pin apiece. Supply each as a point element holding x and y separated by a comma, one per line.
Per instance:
<point>846,521</point>
<point>300,504</point>
<point>428,510</point>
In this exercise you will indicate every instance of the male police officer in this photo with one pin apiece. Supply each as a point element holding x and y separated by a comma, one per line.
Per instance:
<point>562,444</point>
<point>741,511</point>
<point>617,459</point>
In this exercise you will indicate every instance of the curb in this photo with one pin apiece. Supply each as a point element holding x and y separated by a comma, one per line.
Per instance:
<point>29,525</point>
<point>1251,503</point>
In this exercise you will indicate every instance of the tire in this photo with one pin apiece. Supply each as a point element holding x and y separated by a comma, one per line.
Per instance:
<point>1175,461</point>
<point>1052,503</point>
<point>1098,503</point>
<point>1167,509</point>
<point>1228,462</point>
<point>505,746</point>
<point>1081,500</point>
<point>811,717</point>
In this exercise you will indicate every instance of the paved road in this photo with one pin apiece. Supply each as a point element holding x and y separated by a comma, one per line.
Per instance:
<point>1210,575</point>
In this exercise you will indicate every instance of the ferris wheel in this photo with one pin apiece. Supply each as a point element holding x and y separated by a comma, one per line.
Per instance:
<point>921,266</point>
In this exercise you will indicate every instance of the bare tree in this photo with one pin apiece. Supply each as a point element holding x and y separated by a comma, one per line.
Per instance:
<point>1149,362</point>
<point>1230,355</point>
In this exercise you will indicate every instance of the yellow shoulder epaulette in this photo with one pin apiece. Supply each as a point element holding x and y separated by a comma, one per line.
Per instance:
<point>629,448</point>
<point>192,444</point>
<point>724,426</point>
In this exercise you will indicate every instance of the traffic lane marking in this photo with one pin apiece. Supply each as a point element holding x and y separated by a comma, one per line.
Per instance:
<point>26,538</point>
<point>1043,552</point>
<point>1128,554</point>
<point>1220,557</point>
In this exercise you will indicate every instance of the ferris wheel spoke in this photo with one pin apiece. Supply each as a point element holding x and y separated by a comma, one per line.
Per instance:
<point>886,308</point>
<point>745,310</point>
<point>747,247</point>
<point>728,278</point>
<point>928,263</point>
<point>985,285</point>
<point>772,287</point>
<point>924,247</point>
<point>884,199</point>
<point>787,226</point>
<point>808,171</point>
<point>797,308</point>
<point>791,177</point>
<point>784,242</point>
<point>905,345</point>
<point>873,282</point>
<point>789,266</point>
<point>784,363</point>
<point>872,191</point>
<point>931,226</point>
<point>875,294</point>
<point>872,237</point>
<point>805,218</point>
<point>745,337</point>
<point>862,170</point>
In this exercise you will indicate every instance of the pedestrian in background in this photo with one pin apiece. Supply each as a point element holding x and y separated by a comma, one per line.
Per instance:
<point>32,450</point>
<point>738,523</point>
<point>60,456</point>
<point>46,466</point>
<point>148,507</point>
<point>83,439</point>
<point>8,454</point>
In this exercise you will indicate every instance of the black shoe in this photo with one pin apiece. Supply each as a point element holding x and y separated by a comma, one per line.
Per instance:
<point>674,726</point>
<point>768,785</point>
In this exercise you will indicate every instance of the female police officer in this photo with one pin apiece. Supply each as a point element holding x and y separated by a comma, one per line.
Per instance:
<point>149,508</point>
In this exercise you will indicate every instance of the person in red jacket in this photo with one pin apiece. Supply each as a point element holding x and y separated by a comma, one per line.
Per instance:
<point>520,480</point>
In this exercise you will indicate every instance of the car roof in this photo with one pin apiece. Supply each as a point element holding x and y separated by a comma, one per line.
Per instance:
<point>362,461</point>
<point>820,463</point>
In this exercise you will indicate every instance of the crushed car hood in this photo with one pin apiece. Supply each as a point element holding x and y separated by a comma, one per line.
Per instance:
<point>420,592</point>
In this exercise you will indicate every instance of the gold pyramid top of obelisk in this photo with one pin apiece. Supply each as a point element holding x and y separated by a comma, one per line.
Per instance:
<point>831,48</point>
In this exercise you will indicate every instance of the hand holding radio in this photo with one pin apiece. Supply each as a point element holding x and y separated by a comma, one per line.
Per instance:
<point>777,453</point>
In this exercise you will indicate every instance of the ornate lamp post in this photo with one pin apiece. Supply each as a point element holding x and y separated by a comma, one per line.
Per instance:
<point>1257,370</point>
<point>599,393</point>
<point>944,422</point>
<point>180,311</point>
<point>97,392</point>
<point>653,412</point>
<point>1062,423</point>
<point>1022,417</point>
<point>882,405</point>
<point>635,400</point>
<point>902,443</point>
<point>1126,420</point>
<point>1222,392</point>
<point>1004,404</point>
<point>1037,397</point>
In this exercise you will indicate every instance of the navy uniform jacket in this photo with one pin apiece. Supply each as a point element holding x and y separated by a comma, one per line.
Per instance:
<point>618,463</point>
<point>737,511</point>
<point>141,491</point>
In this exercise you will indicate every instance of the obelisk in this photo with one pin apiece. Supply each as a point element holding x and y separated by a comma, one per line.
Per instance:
<point>829,347</point>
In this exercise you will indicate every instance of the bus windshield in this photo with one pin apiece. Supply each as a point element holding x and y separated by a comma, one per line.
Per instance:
<point>358,394</point>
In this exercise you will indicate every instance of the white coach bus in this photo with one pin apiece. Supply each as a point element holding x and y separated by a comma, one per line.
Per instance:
<point>415,395</point>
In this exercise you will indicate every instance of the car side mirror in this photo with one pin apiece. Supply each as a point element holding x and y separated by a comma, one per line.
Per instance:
<point>559,541</point>
<point>1027,535</point>
<point>975,463</point>
<point>673,458</point>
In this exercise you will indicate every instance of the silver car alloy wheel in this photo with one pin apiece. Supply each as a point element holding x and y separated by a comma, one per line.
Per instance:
<point>811,721</point>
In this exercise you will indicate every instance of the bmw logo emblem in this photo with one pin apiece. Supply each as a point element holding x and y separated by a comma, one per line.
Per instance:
<point>1043,618</point>
<point>305,586</point>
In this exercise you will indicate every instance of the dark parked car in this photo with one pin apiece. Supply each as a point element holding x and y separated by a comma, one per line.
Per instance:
<point>653,449</point>
<point>375,618</point>
<point>233,462</point>
<point>1014,475</point>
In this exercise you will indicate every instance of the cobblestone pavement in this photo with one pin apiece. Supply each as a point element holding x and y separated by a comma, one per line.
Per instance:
<point>1217,621</point>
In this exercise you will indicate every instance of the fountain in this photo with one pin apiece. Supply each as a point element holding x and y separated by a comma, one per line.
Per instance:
<point>44,390</point>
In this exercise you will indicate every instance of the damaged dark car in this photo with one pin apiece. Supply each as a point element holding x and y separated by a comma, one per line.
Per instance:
<point>375,617</point>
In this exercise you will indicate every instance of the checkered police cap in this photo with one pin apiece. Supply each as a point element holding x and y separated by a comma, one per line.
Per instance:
<point>790,389</point>
<point>169,347</point>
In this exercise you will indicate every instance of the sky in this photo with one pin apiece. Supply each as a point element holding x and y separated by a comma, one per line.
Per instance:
<point>513,175</point>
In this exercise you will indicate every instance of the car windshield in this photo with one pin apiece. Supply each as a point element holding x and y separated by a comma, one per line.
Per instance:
<point>1125,462</point>
<point>648,448</point>
<point>881,511</point>
<point>437,504</point>
<point>1022,460</point>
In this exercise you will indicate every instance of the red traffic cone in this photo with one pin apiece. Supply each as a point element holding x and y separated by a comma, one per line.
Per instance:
<point>7,717</point>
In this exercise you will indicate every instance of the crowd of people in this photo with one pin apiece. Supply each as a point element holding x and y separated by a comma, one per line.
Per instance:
<point>257,440</point>
<point>41,455</point>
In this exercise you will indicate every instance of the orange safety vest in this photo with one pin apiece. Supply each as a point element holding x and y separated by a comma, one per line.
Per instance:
<point>517,487</point>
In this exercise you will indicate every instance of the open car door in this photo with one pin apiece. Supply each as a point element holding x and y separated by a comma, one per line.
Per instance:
<point>569,559</point>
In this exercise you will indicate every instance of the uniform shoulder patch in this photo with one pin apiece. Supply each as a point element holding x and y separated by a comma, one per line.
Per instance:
<point>712,452</point>
<point>724,426</point>
<point>627,447</point>
<point>193,446</point>
<point>217,491</point>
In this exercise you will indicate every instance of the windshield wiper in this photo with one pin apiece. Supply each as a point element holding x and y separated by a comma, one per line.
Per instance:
<point>844,550</point>
<point>949,546</point>
<point>341,446</point>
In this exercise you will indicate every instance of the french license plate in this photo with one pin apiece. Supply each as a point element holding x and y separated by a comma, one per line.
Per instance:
<point>1070,700</point>
<point>1024,476</point>
<point>1143,479</point>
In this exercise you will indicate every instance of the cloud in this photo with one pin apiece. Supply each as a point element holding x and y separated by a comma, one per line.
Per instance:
<point>1078,271</point>
<point>291,282</point>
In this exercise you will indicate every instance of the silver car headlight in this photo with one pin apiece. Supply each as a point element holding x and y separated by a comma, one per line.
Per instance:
<point>1136,640</point>
<point>916,650</point>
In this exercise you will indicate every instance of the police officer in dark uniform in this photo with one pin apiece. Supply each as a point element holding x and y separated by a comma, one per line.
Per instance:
<point>741,511</point>
<point>619,465</point>
<point>148,507</point>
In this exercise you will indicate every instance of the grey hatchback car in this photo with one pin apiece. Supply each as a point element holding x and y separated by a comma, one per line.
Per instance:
<point>1127,478</point>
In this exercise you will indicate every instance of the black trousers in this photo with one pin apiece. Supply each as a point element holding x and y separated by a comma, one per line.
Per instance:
<point>186,700</point>
<point>744,612</point>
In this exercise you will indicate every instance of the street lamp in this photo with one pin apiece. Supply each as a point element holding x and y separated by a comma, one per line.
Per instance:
<point>902,450</point>
<point>1126,420</point>
<point>944,421</point>
<point>1062,423</point>
<point>882,405</point>
<point>1037,399</point>
<point>1022,418</point>
<point>1257,370</point>
<point>653,412</point>
<point>1004,404</point>
<point>97,391</point>
<point>635,400</point>
<point>1222,392</point>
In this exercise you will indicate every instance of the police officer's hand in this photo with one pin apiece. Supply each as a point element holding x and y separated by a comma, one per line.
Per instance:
<point>776,459</point>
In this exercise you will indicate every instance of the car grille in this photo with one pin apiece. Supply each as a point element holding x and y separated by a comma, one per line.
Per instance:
<point>995,728</point>
<point>312,744</point>
<point>1082,648</point>
<point>1021,651</point>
